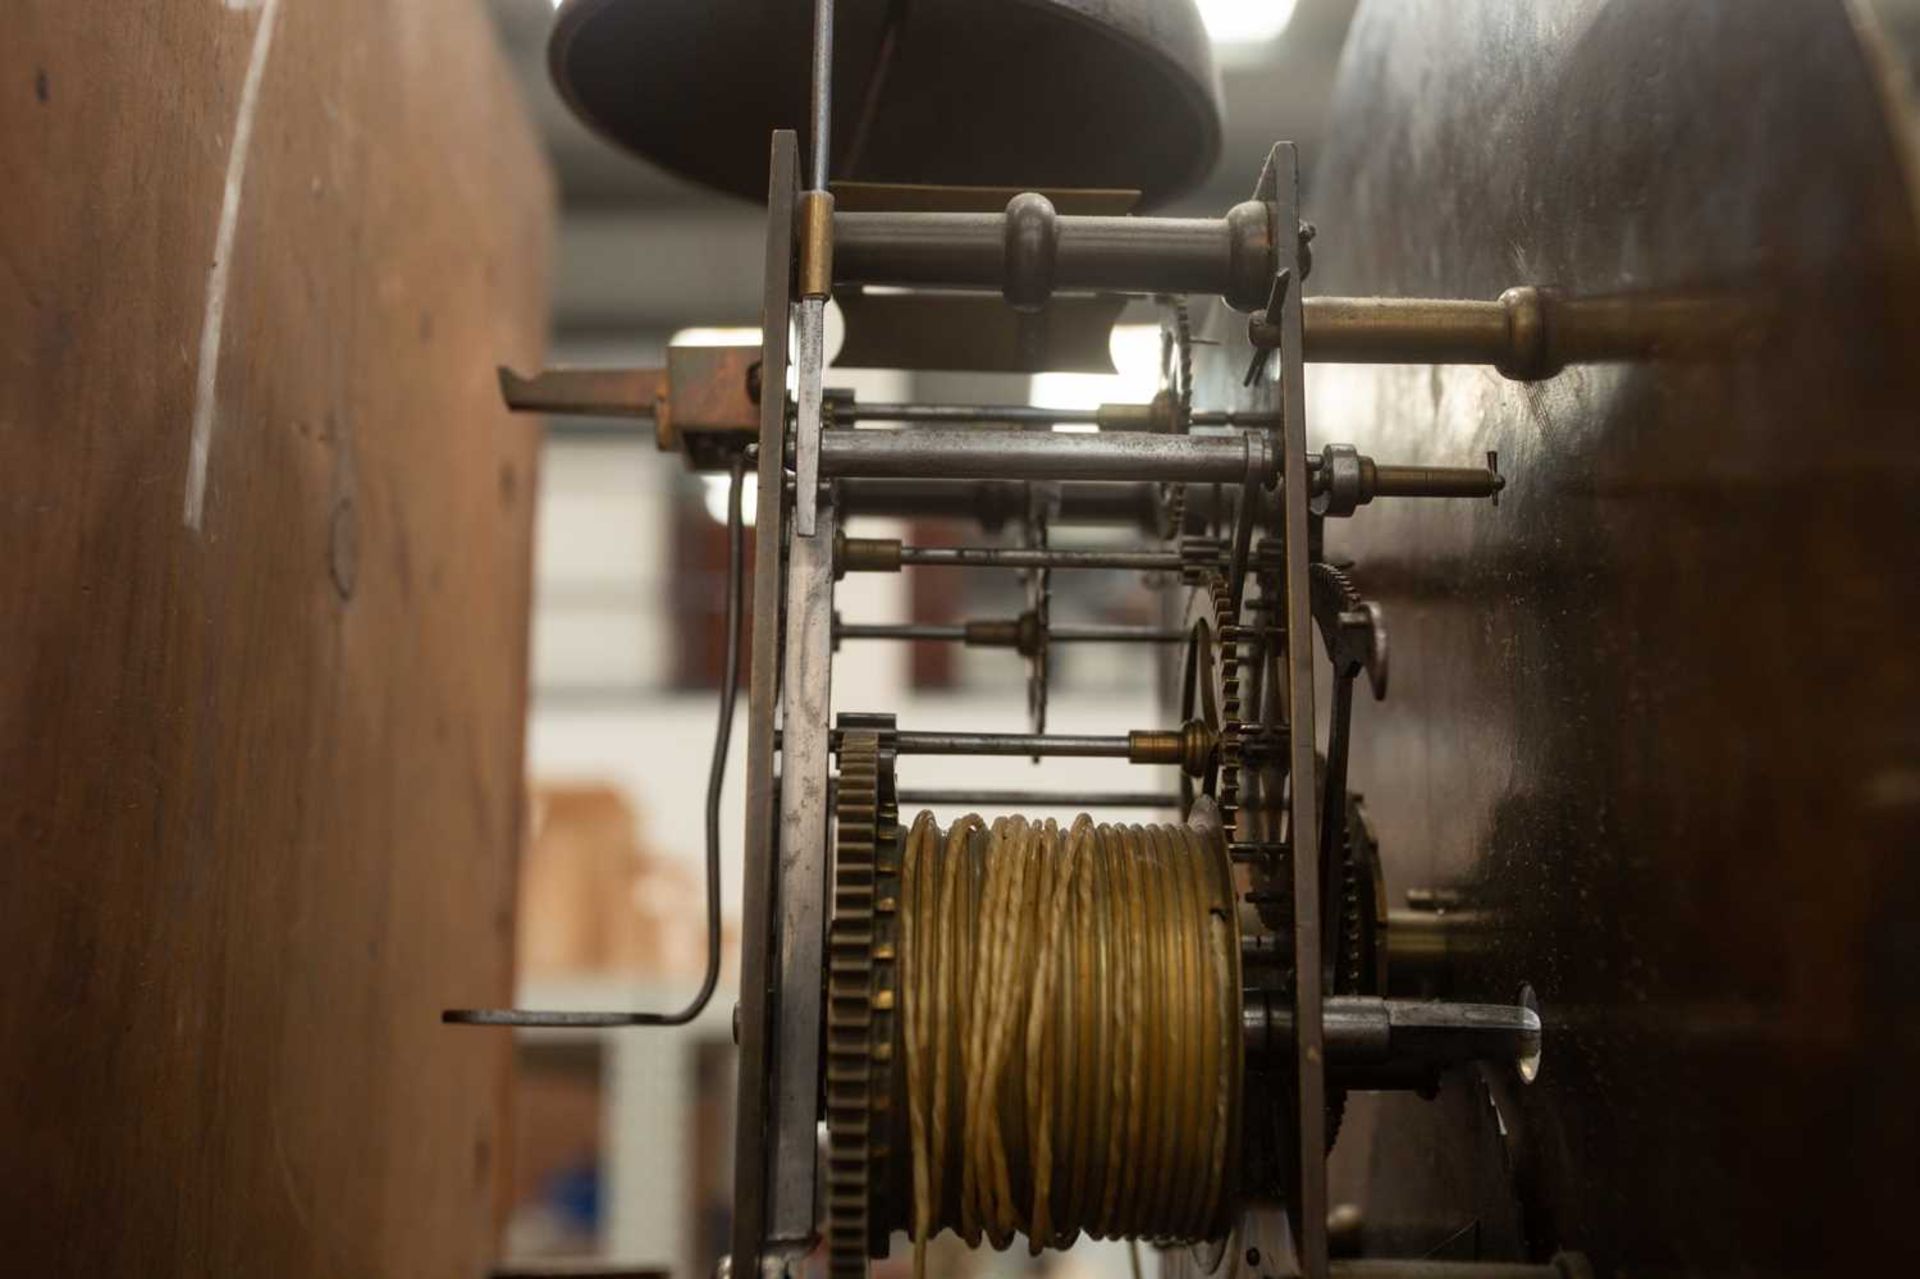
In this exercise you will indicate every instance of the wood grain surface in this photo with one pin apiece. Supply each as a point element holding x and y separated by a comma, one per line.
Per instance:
<point>1653,716</point>
<point>260,755</point>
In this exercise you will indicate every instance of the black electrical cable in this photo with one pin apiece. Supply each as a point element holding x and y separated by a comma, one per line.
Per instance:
<point>716,783</point>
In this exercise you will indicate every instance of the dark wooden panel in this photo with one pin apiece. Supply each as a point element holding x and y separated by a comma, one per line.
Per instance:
<point>1657,712</point>
<point>260,770</point>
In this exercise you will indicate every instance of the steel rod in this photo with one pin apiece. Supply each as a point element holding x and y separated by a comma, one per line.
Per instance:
<point>938,453</point>
<point>1039,799</point>
<point>1098,634</point>
<point>1047,744</point>
<point>1004,633</point>
<point>1428,1268</point>
<point>1054,744</point>
<point>1030,414</point>
<point>860,411</point>
<point>1413,1036</point>
<point>821,99</point>
<point>1435,481</point>
<point>992,504</point>
<point>1034,557</point>
<point>1030,250</point>
<point>898,631</point>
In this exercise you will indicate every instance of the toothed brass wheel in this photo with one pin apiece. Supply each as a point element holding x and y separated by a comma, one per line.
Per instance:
<point>860,993</point>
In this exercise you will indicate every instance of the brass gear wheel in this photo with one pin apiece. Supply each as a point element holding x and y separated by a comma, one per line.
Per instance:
<point>1250,790</point>
<point>1176,367</point>
<point>1215,685</point>
<point>860,991</point>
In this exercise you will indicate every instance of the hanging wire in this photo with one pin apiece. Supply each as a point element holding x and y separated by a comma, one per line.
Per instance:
<point>716,784</point>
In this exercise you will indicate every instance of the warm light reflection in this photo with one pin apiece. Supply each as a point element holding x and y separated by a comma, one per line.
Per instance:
<point>1136,354</point>
<point>716,336</point>
<point>715,494</point>
<point>1245,21</point>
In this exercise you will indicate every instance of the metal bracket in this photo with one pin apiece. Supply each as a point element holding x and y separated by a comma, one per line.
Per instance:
<point>809,415</point>
<point>1280,183</point>
<point>756,1108</point>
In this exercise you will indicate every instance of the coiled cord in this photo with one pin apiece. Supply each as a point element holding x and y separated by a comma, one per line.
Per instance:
<point>1071,1026</point>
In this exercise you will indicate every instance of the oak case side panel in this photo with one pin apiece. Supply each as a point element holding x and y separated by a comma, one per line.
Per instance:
<point>260,755</point>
